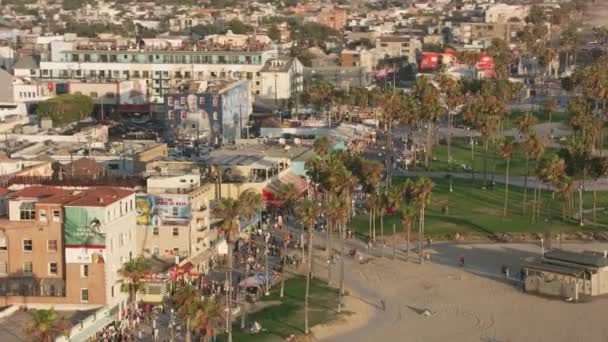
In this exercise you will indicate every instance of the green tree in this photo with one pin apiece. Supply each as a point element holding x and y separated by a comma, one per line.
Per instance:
<point>46,325</point>
<point>505,148</point>
<point>134,271</point>
<point>423,190</point>
<point>198,314</point>
<point>274,33</point>
<point>65,109</point>
<point>308,214</point>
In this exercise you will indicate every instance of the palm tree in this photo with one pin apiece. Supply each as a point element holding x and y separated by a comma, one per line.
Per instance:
<point>506,150</point>
<point>308,215</point>
<point>535,146</point>
<point>134,271</point>
<point>322,147</point>
<point>46,325</point>
<point>289,194</point>
<point>453,97</point>
<point>551,171</point>
<point>228,211</point>
<point>429,109</point>
<point>382,207</point>
<point>408,214</point>
<point>424,188</point>
<point>526,124</point>
<point>565,188</point>
<point>185,299</point>
<point>550,106</point>
<point>393,198</point>
<point>340,213</point>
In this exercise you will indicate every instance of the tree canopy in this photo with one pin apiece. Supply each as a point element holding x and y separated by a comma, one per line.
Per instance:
<point>65,109</point>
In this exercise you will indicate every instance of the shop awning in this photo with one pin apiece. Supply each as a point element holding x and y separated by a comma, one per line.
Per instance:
<point>272,192</point>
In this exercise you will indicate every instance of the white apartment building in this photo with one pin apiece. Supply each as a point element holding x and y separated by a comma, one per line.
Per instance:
<point>160,68</point>
<point>501,13</point>
<point>281,78</point>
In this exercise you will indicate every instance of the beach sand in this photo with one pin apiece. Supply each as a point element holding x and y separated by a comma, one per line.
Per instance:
<point>464,306</point>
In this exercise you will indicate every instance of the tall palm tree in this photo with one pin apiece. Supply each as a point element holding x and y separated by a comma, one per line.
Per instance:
<point>535,146</point>
<point>505,149</point>
<point>46,325</point>
<point>322,147</point>
<point>408,214</point>
<point>339,210</point>
<point>229,211</point>
<point>549,106</point>
<point>453,97</point>
<point>289,194</point>
<point>565,188</point>
<point>134,271</point>
<point>382,207</point>
<point>525,125</point>
<point>424,188</point>
<point>393,199</point>
<point>308,214</point>
<point>185,299</point>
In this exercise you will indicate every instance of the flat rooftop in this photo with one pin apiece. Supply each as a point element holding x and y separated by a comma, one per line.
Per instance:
<point>249,154</point>
<point>78,150</point>
<point>12,328</point>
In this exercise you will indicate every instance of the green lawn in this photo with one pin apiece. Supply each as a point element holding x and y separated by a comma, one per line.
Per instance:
<point>461,155</point>
<point>479,211</point>
<point>287,318</point>
<point>512,116</point>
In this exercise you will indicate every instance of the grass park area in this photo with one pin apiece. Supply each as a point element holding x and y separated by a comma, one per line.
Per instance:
<point>280,321</point>
<point>477,211</point>
<point>461,155</point>
<point>542,116</point>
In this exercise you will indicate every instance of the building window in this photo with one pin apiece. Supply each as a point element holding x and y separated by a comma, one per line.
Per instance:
<point>175,211</point>
<point>156,251</point>
<point>84,295</point>
<point>27,245</point>
<point>93,94</point>
<point>3,244</point>
<point>84,271</point>
<point>51,245</point>
<point>175,231</point>
<point>56,217</point>
<point>3,268</point>
<point>28,268</point>
<point>121,240</point>
<point>27,212</point>
<point>42,215</point>
<point>175,251</point>
<point>52,268</point>
<point>112,290</point>
<point>155,231</point>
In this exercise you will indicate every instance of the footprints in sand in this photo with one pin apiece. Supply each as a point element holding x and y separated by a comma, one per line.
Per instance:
<point>479,324</point>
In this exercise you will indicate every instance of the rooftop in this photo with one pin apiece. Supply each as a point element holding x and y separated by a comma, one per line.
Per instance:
<point>585,258</point>
<point>37,192</point>
<point>99,197</point>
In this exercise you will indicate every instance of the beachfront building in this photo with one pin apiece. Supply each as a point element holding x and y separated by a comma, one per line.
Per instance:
<point>568,274</point>
<point>159,65</point>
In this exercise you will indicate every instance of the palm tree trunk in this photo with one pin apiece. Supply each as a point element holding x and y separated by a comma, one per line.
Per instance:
<point>504,211</point>
<point>370,223</point>
<point>485,162</point>
<point>283,251</point>
<point>188,333</point>
<point>382,235</point>
<point>526,183</point>
<point>341,281</point>
<point>594,205</point>
<point>427,155</point>
<point>229,294</point>
<point>420,237</point>
<point>329,252</point>
<point>310,232</point>
<point>407,243</point>
<point>394,242</point>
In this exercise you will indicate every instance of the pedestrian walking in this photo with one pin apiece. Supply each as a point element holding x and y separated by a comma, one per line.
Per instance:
<point>462,260</point>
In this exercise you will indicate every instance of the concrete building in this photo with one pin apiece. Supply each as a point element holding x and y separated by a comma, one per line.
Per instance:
<point>7,58</point>
<point>281,78</point>
<point>340,76</point>
<point>468,32</point>
<point>333,17</point>
<point>399,46</point>
<point>501,13</point>
<point>158,69</point>
<point>212,114</point>
<point>568,274</point>
<point>173,216</point>
<point>100,236</point>
<point>359,58</point>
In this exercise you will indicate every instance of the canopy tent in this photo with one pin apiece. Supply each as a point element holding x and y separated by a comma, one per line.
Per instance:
<point>272,192</point>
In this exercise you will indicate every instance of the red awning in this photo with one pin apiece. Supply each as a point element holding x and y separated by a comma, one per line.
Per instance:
<point>272,192</point>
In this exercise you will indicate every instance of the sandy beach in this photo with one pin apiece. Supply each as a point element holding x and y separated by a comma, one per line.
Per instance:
<point>474,303</point>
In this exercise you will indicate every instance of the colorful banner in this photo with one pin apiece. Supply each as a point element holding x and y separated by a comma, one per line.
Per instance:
<point>158,210</point>
<point>83,227</point>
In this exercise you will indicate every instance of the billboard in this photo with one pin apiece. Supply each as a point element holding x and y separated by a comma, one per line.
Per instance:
<point>84,237</point>
<point>133,92</point>
<point>157,210</point>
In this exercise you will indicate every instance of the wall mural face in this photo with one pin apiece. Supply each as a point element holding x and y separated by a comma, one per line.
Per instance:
<point>157,210</point>
<point>134,92</point>
<point>84,238</point>
<point>190,114</point>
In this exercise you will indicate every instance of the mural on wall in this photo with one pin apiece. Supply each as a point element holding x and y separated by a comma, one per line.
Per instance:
<point>84,238</point>
<point>192,114</point>
<point>157,210</point>
<point>133,92</point>
<point>235,110</point>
